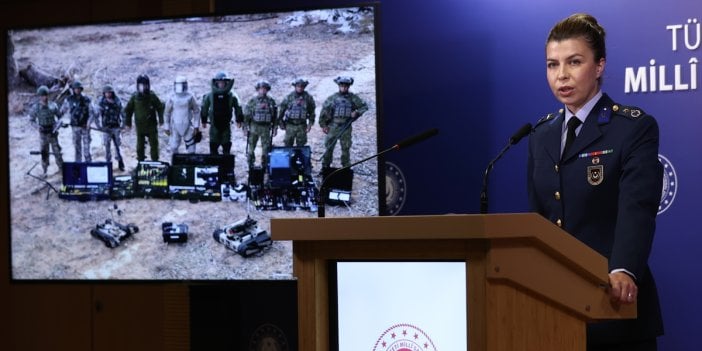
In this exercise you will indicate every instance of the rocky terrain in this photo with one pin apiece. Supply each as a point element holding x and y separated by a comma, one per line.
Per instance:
<point>50,237</point>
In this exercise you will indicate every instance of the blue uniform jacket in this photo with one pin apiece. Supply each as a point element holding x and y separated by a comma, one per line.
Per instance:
<point>605,191</point>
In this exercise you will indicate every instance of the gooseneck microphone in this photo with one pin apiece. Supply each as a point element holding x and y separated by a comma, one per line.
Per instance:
<point>401,145</point>
<point>415,139</point>
<point>513,140</point>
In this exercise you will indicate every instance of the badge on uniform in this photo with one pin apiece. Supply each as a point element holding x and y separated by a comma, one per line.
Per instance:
<point>595,174</point>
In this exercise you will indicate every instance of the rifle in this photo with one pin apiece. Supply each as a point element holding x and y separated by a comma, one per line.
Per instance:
<point>341,132</point>
<point>58,125</point>
<point>101,130</point>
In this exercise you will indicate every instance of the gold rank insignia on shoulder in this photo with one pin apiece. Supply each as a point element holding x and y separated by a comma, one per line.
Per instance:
<point>631,112</point>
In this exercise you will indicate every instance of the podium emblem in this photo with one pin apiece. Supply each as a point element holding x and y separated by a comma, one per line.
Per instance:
<point>269,337</point>
<point>395,189</point>
<point>670,184</point>
<point>404,337</point>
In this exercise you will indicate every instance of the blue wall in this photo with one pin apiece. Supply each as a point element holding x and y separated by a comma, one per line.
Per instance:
<point>475,69</point>
<point>478,69</point>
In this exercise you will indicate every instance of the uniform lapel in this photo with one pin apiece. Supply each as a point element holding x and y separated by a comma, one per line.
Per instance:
<point>553,138</point>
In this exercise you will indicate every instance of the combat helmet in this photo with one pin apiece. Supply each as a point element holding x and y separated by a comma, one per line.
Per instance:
<point>300,81</point>
<point>77,85</point>
<point>143,79</point>
<point>264,84</point>
<point>108,89</point>
<point>43,91</point>
<point>143,84</point>
<point>343,80</point>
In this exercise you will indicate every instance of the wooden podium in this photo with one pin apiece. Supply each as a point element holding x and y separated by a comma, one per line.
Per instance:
<point>530,285</point>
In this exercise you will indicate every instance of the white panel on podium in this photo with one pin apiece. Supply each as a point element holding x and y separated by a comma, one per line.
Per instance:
<point>402,306</point>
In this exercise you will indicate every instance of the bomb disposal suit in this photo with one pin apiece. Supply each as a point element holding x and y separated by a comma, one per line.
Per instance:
<point>182,116</point>
<point>45,117</point>
<point>82,116</point>
<point>147,109</point>
<point>218,108</point>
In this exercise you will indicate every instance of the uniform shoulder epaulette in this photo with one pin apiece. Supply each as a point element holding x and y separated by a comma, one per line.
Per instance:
<point>546,118</point>
<point>631,112</point>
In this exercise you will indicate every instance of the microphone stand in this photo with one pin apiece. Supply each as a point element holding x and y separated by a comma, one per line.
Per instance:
<point>484,190</point>
<point>513,140</point>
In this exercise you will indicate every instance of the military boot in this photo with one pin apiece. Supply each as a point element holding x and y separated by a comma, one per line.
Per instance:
<point>120,165</point>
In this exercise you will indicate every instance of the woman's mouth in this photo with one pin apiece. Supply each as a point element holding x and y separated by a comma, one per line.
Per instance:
<point>566,91</point>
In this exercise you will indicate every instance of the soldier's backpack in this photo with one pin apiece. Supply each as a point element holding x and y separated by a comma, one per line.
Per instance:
<point>221,110</point>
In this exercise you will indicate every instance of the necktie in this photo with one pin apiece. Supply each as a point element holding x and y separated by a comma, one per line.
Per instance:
<point>573,123</point>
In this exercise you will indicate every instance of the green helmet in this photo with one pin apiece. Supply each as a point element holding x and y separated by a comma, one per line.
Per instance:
<point>263,83</point>
<point>343,80</point>
<point>43,91</point>
<point>77,85</point>
<point>300,81</point>
<point>108,89</point>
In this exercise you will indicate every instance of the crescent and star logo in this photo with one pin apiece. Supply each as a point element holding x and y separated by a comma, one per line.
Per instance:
<point>395,189</point>
<point>404,337</point>
<point>670,184</point>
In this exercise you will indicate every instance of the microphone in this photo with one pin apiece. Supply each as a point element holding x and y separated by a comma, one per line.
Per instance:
<point>513,140</point>
<point>401,145</point>
<point>521,133</point>
<point>416,139</point>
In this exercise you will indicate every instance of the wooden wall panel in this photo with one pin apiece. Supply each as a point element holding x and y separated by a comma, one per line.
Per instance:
<point>58,316</point>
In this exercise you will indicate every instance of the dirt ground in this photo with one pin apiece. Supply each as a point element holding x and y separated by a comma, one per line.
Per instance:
<point>50,237</point>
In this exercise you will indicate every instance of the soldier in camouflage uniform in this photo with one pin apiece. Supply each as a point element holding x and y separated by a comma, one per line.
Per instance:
<point>218,108</point>
<point>259,119</point>
<point>297,114</point>
<point>45,117</point>
<point>111,122</point>
<point>147,109</point>
<point>82,116</point>
<point>339,111</point>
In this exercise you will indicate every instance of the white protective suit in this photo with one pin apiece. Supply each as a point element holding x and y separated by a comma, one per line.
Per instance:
<point>182,115</point>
